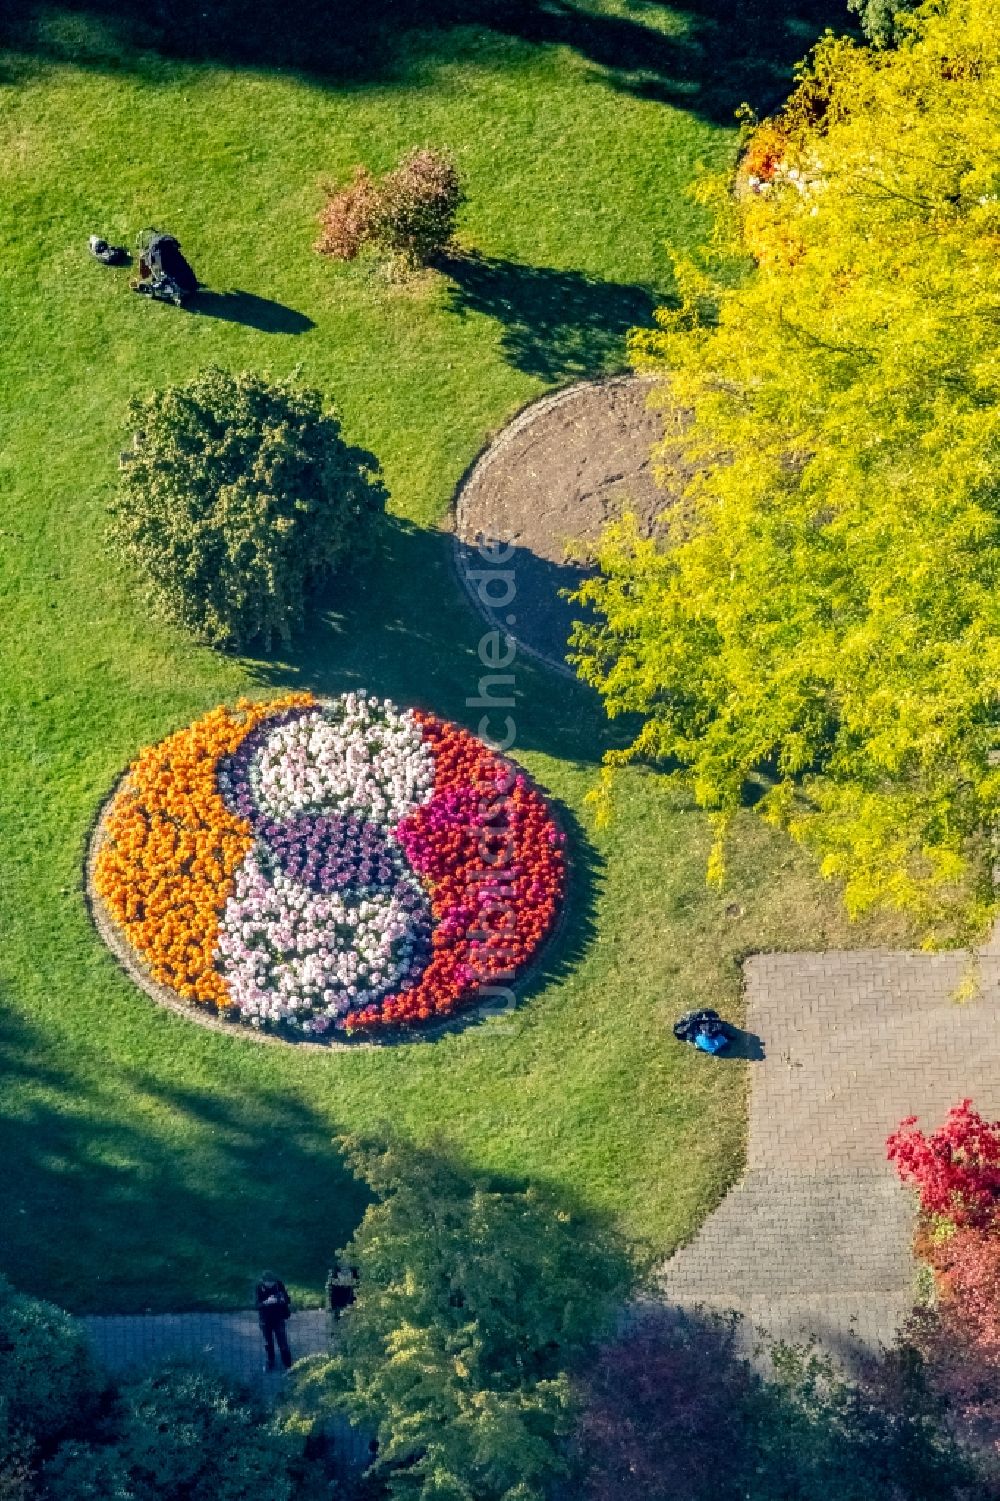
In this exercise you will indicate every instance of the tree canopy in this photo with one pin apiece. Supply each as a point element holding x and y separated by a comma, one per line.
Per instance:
<point>474,1304</point>
<point>238,500</point>
<point>824,612</point>
<point>68,1432</point>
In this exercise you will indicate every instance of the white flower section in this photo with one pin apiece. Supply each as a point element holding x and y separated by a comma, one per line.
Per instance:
<point>357,755</point>
<point>301,958</point>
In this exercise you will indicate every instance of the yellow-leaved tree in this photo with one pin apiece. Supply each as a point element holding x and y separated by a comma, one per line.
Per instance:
<point>824,610</point>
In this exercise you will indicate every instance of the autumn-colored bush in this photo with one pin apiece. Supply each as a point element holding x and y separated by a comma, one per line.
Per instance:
<point>765,149</point>
<point>957,1334</point>
<point>349,217</point>
<point>968,1276</point>
<point>420,201</point>
<point>961,1376</point>
<point>956,1169</point>
<point>408,214</point>
<point>654,1404</point>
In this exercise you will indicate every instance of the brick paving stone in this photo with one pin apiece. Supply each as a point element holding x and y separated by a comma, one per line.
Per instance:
<point>815,1239</point>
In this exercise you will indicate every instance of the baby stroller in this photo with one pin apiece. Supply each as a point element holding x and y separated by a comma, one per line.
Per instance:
<point>704,1029</point>
<point>163,272</point>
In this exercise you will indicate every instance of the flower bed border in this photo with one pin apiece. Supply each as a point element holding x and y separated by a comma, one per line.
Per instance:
<point>202,1015</point>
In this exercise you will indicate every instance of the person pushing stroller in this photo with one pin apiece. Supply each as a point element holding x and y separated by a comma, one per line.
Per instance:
<point>704,1030</point>
<point>164,274</point>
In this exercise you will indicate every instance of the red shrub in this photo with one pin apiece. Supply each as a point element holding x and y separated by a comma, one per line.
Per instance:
<point>349,217</point>
<point>956,1169</point>
<point>962,1375</point>
<point>655,1407</point>
<point>968,1267</point>
<point>410,213</point>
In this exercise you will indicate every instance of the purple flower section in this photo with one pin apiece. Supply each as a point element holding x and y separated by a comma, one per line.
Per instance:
<point>234,772</point>
<point>328,852</point>
<point>333,853</point>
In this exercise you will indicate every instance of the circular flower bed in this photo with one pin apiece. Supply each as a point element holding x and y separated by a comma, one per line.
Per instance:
<point>316,867</point>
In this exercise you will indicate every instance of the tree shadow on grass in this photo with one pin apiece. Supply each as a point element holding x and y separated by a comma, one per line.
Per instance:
<point>557,325</point>
<point>126,1191</point>
<point>402,627</point>
<point>132,1192</point>
<point>261,313</point>
<point>540,618</point>
<point>404,630</point>
<point>714,55</point>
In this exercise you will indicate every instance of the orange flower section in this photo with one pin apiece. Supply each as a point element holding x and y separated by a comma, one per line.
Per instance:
<point>165,867</point>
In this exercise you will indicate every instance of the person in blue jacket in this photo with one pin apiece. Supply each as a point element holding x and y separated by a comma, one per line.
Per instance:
<point>704,1029</point>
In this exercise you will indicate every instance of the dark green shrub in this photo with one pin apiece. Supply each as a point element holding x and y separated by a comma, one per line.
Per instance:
<point>182,1433</point>
<point>187,1431</point>
<point>79,1471</point>
<point>410,214</point>
<point>238,500</point>
<point>47,1380</point>
<point>17,1471</point>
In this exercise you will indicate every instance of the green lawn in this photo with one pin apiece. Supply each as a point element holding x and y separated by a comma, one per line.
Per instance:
<point>148,1163</point>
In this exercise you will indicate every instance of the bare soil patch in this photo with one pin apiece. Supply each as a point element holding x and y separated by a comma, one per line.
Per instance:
<point>547,486</point>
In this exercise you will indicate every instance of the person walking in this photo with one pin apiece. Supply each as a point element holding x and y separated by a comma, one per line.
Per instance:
<point>273,1309</point>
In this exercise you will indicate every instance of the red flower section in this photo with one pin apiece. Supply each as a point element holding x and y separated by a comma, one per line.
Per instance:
<point>495,865</point>
<point>956,1168</point>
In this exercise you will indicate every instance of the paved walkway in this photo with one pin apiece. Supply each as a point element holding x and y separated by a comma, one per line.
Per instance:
<point>126,1344</point>
<point>231,1341</point>
<point>816,1238</point>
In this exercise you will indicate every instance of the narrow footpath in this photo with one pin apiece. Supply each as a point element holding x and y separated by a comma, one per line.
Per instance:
<point>127,1343</point>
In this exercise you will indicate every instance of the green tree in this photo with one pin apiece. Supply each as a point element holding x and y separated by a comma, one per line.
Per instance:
<point>474,1304</point>
<point>883,21</point>
<point>825,613</point>
<point>238,499</point>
